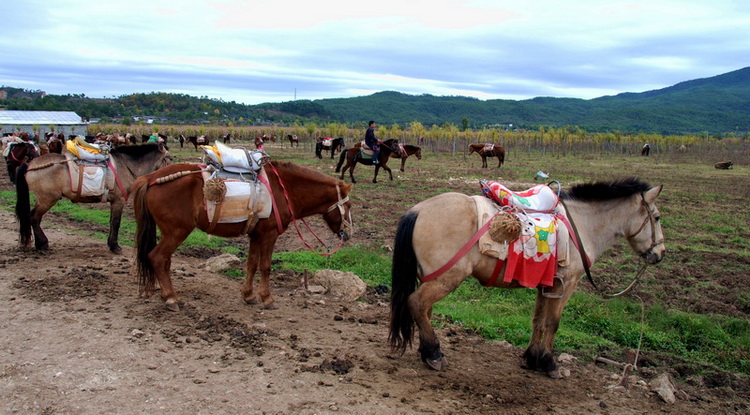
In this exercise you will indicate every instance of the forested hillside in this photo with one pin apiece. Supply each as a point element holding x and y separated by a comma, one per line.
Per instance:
<point>714,105</point>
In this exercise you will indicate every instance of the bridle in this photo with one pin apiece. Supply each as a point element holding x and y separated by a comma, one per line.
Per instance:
<point>652,219</point>
<point>346,217</point>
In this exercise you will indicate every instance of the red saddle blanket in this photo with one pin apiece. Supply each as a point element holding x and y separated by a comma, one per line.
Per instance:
<point>532,258</point>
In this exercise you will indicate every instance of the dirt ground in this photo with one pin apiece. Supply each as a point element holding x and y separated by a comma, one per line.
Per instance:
<point>77,339</point>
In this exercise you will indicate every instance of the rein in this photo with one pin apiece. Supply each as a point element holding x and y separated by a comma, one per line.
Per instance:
<point>338,204</point>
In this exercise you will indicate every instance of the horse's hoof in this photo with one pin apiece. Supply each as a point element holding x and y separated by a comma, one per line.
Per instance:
<point>437,364</point>
<point>251,301</point>
<point>172,307</point>
<point>271,306</point>
<point>559,373</point>
<point>117,250</point>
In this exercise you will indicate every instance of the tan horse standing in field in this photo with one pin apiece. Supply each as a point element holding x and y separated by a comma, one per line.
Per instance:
<point>437,229</point>
<point>49,178</point>
<point>488,150</point>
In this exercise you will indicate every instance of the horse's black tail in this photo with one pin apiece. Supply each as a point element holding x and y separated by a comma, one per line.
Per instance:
<point>145,237</point>
<point>23,206</point>
<point>403,284</point>
<point>342,158</point>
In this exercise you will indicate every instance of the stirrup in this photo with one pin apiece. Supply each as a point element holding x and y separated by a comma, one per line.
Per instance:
<point>546,294</point>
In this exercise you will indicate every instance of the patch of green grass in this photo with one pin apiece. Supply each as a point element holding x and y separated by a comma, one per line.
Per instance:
<point>374,268</point>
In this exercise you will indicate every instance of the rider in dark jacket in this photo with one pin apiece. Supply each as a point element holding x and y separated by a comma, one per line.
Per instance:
<point>372,142</point>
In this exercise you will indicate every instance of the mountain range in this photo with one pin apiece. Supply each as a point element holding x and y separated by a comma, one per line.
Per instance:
<point>716,105</point>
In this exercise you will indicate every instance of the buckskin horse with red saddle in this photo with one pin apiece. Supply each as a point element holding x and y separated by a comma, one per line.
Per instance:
<point>535,238</point>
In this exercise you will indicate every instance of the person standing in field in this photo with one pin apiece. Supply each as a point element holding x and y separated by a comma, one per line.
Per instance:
<point>372,142</point>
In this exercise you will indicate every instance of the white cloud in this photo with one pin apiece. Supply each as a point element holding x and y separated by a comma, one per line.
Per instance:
<point>264,49</point>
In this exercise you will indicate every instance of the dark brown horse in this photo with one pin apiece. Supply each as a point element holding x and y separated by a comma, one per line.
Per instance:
<point>19,152</point>
<point>55,145</point>
<point>49,178</point>
<point>335,144</point>
<point>292,140</point>
<point>484,151</point>
<point>354,156</point>
<point>176,206</point>
<point>405,151</point>
<point>227,138</point>
<point>432,236</point>
<point>198,141</point>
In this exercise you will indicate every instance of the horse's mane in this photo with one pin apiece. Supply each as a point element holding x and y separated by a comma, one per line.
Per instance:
<point>600,191</point>
<point>302,170</point>
<point>135,151</point>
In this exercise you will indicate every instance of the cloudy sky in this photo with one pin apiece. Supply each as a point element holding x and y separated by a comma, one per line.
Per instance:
<point>254,51</point>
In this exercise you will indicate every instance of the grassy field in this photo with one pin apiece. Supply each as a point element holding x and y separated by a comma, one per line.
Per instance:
<point>690,311</point>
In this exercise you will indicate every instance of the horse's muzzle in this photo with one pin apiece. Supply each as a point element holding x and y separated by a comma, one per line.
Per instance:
<point>653,258</point>
<point>343,235</point>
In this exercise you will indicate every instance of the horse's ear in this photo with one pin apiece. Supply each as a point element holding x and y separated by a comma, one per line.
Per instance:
<point>651,195</point>
<point>348,188</point>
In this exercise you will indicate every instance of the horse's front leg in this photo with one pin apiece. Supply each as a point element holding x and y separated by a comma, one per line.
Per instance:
<point>403,162</point>
<point>377,169</point>
<point>547,313</point>
<point>115,218</point>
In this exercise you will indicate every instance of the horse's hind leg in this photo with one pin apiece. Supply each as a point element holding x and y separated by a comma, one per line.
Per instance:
<point>420,306</point>
<point>161,261</point>
<point>41,243</point>
<point>403,162</point>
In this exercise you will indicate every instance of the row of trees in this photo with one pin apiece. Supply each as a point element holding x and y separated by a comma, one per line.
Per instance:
<point>449,138</point>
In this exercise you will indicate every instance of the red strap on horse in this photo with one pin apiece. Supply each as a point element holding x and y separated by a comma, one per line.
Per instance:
<point>294,220</point>
<point>474,239</point>
<point>273,202</point>
<point>495,273</point>
<point>117,180</point>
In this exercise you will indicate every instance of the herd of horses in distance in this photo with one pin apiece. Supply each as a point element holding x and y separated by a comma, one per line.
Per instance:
<point>164,194</point>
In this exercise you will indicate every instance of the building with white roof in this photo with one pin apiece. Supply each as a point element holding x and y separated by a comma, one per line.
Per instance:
<point>40,122</point>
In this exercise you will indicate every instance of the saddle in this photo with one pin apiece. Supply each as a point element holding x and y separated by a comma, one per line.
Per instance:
<point>532,258</point>
<point>489,147</point>
<point>365,151</point>
<point>326,141</point>
<point>86,151</point>
<point>235,160</point>
<point>236,186</point>
<point>88,167</point>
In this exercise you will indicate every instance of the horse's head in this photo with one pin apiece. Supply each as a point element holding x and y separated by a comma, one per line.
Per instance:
<point>166,158</point>
<point>418,153</point>
<point>338,217</point>
<point>645,235</point>
<point>472,149</point>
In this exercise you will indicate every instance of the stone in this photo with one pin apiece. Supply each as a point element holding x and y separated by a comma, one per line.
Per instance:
<point>662,386</point>
<point>222,262</point>
<point>345,286</point>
